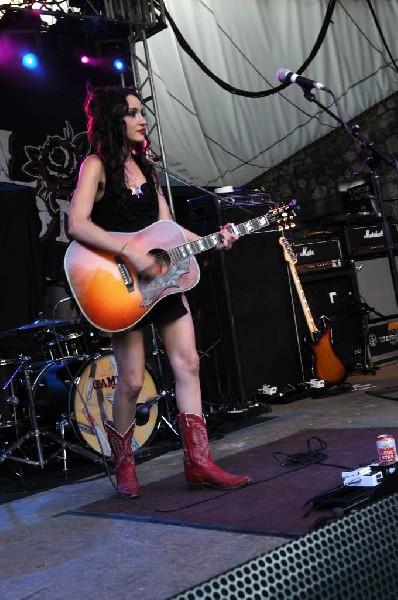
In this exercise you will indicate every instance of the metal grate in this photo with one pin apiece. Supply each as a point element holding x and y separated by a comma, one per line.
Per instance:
<point>353,558</point>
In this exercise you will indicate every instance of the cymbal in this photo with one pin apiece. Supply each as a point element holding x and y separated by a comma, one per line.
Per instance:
<point>40,324</point>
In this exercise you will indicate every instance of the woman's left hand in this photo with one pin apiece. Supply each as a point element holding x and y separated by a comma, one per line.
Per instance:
<point>228,238</point>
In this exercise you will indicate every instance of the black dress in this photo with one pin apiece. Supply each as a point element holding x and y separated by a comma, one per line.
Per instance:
<point>131,214</point>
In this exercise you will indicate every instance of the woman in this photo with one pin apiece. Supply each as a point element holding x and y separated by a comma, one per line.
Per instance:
<point>118,190</point>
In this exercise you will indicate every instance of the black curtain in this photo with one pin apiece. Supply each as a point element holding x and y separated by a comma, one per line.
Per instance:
<point>21,274</point>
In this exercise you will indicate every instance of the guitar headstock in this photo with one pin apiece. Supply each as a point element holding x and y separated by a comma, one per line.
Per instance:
<point>284,215</point>
<point>289,254</point>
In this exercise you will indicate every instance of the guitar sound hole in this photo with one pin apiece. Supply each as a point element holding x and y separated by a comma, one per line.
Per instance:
<point>163,260</point>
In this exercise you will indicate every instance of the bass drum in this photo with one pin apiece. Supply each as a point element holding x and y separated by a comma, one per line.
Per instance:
<point>82,391</point>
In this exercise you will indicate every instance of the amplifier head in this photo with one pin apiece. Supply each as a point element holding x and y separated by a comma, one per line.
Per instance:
<point>368,240</point>
<point>319,255</point>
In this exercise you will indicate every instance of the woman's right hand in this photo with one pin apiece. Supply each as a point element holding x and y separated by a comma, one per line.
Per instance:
<point>145,264</point>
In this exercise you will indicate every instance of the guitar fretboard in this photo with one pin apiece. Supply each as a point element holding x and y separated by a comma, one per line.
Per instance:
<point>213,239</point>
<point>291,259</point>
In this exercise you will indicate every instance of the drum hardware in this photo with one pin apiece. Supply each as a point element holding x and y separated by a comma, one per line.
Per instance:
<point>53,389</point>
<point>68,343</point>
<point>11,400</point>
<point>166,393</point>
<point>80,391</point>
<point>65,445</point>
<point>168,410</point>
<point>61,427</point>
<point>36,433</point>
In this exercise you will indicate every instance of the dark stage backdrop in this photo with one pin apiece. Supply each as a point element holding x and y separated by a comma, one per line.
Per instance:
<point>42,144</point>
<point>21,275</point>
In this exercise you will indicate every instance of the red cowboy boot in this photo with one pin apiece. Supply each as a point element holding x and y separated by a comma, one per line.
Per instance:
<point>123,459</point>
<point>200,470</point>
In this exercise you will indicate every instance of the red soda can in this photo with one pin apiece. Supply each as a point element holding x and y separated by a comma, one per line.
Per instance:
<point>386,448</point>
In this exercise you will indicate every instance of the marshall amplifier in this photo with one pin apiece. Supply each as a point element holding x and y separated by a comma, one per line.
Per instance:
<point>320,255</point>
<point>368,240</point>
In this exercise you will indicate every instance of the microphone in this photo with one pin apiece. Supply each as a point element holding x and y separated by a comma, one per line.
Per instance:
<point>287,76</point>
<point>143,411</point>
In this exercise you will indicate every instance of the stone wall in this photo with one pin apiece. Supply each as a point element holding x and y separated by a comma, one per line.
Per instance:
<point>313,175</point>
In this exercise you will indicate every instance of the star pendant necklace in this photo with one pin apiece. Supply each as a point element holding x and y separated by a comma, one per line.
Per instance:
<point>136,190</point>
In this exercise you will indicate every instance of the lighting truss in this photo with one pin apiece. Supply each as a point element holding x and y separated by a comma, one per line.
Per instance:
<point>141,15</point>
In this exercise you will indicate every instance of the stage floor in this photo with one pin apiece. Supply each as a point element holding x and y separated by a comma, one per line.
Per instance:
<point>51,552</point>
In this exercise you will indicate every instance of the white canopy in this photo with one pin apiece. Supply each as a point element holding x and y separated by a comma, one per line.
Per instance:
<point>216,138</point>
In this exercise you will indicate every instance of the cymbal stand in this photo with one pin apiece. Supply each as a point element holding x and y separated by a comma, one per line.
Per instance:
<point>38,434</point>
<point>13,399</point>
<point>34,432</point>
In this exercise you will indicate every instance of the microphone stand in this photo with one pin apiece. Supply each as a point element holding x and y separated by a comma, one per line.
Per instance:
<point>373,160</point>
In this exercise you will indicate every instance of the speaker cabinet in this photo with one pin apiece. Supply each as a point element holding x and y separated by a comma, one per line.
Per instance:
<point>322,564</point>
<point>334,295</point>
<point>243,309</point>
<point>375,286</point>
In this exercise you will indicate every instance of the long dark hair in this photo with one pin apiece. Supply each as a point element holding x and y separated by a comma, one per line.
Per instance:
<point>105,109</point>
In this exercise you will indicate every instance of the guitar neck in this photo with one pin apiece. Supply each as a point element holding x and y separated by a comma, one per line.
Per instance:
<point>303,300</point>
<point>213,239</point>
<point>290,257</point>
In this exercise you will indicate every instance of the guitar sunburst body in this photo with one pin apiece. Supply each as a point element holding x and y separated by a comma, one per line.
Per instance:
<point>110,293</point>
<point>326,364</point>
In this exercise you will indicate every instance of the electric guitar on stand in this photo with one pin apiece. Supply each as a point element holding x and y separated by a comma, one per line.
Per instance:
<point>112,295</point>
<point>326,364</point>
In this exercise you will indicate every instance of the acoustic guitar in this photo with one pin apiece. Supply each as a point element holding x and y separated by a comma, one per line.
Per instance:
<point>112,295</point>
<point>326,364</point>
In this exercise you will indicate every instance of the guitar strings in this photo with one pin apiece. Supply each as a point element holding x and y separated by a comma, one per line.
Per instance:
<point>164,254</point>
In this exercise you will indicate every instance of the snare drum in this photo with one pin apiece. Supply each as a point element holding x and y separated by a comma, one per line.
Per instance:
<point>11,405</point>
<point>67,343</point>
<point>82,390</point>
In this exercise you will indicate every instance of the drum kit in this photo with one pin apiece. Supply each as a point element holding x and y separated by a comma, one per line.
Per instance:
<point>57,400</point>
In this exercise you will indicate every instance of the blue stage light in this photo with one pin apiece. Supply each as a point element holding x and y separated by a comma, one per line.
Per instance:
<point>119,65</point>
<point>30,61</point>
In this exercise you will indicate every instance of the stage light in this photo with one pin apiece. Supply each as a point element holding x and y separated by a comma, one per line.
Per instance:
<point>85,59</point>
<point>30,61</point>
<point>119,65</point>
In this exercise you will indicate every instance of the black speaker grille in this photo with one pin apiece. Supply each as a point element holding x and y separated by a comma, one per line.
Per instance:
<point>353,558</point>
